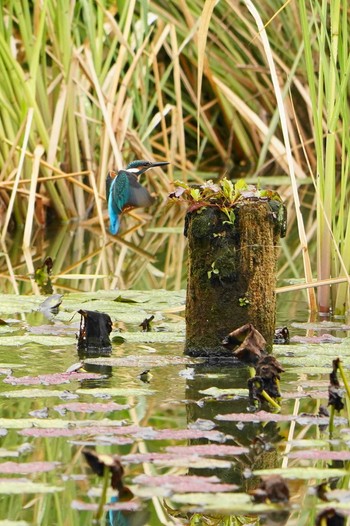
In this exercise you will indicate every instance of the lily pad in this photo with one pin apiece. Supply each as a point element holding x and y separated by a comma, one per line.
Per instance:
<point>92,407</point>
<point>27,467</point>
<point>218,502</point>
<point>171,459</point>
<point>49,341</point>
<point>185,483</point>
<point>51,379</point>
<point>115,391</point>
<point>316,454</point>
<point>216,392</point>
<point>37,393</point>
<point>212,450</point>
<point>145,361</point>
<point>303,473</point>
<point>20,486</point>
<point>91,506</point>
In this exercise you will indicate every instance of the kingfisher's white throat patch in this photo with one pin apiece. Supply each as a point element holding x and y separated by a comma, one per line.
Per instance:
<point>134,170</point>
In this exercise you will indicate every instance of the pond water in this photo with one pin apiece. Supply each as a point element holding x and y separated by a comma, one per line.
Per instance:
<point>191,445</point>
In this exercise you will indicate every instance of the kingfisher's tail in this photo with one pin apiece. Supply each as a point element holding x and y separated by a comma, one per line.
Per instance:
<point>113,218</point>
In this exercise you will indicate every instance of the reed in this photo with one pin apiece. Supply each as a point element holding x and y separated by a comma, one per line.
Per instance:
<point>207,86</point>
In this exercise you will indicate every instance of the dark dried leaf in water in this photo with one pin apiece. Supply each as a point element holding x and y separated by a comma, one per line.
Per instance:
<point>272,488</point>
<point>98,463</point>
<point>120,299</point>
<point>146,324</point>
<point>330,517</point>
<point>95,328</point>
<point>145,376</point>
<point>333,378</point>
<point>267,378</point>
<point>334,390</point>
<point>281,335</point>
<point>335,398</point>
<point>251,343</point>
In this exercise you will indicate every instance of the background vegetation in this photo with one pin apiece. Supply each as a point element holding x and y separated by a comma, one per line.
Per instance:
<point>87,86</point>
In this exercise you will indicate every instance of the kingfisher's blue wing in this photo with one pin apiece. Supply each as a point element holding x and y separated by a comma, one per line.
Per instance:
<point>109,180</point>
<point>118,193</point>
<point>138,194</point>
<point>124,191</point>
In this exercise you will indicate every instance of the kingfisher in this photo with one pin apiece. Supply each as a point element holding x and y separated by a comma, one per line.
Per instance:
<point>123,190</point>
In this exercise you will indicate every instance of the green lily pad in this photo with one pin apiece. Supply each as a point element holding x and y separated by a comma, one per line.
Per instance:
<point>228,503</point>
<point>145,361</point>
<point>36,393</point>
<point>156,337</point>
<point>304,473</point>
<point>42,339</point>
<point>115,391</point>
<point>216,392</point>
<point>20,486</point>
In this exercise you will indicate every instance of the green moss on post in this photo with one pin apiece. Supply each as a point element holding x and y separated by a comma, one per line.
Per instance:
<point>231,274</point>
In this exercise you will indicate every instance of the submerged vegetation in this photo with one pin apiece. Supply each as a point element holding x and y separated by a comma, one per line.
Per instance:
<point>185,446</point>
<point>87,87</point>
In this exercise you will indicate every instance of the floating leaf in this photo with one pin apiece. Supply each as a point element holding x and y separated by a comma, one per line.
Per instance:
<point>180,434</point>
<point>185,483</point>
<point>27,467</point>
<point>90,506</point>
<point>303,473</point>
<point>49,341</point>
<point>144,361</point>
<point>20,486</point>
<point>51,303</point>
<point>271,489</point>
<point>217,392</point>
<point>249,342</point>
<point>171,459</point>
<point>219,502</point>
<point>122,299</point>
<point>323,338</point>
<point>115,391</point>
<point>264,416</point>
<point>52,379</point>
<point>37,393</point>
<point>211,450</point>
<point>92,407</point>
<point>316,454</point>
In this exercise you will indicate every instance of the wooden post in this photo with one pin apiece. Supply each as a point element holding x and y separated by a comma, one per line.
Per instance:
<point>231,274</point>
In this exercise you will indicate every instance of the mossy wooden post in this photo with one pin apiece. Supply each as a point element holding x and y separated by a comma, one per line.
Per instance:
<point>231,274</point>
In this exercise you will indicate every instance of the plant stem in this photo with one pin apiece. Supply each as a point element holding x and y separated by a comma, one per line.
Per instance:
<point>331,421</point>
<point>345,381</point>
<point>103,498</point>
<point>263,393</point>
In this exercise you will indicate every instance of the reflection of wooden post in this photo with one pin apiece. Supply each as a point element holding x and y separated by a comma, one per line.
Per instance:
<point>231,274</point>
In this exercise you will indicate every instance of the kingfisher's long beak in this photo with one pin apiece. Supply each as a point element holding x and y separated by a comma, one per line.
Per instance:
<point>160,163</point>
